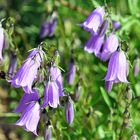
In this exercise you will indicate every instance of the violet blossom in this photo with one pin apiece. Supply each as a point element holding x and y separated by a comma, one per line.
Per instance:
<point>1,42</point>
<point>69,111</point>
<point>116,24</point>
<point>28,71</point>
<point>94,20</point>
<point>26,100</point>
<point>108,85</point>
<point>71,72</point>
<point>30,117</point>
<point>117,68</point>
<point>110,46</point>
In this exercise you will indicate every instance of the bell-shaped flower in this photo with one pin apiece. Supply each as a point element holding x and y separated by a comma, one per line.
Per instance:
<point>13,65</point>
<point>51,95</point>
<point>71,72</point>
<point>30,117</point>
<point>136,67</point>
<point>28,71</point>
<point>110,46</point>
<point>94,44</point>
<point>56,76</point>
<point>26,100</point>
<point>48,27</point>
<point>69,111</point>
<point>1,42</point>
<point>117,68</point>
<point>94,20</point>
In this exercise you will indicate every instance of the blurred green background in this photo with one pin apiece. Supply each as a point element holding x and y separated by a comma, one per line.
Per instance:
<point>98,115</point>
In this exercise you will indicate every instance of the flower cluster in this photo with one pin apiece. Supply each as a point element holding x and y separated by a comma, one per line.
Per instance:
<point>106,46</point>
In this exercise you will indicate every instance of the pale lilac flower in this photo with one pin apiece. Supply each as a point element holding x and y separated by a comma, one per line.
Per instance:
<point>28,71</point>
<point>110,46</point>
<point>30,117</point>
<point>117,68</point>
<point>108,85</point>
<point>103,28</point>
<point>48,132</point>
<point>136,68</point>
<point>26,100</point>
<point>94,20</point>
<point>116,25</point>
<point>71,72</point>
<point>56,76</point>
<point>51,95</point>
<point>69,111</point>
<point>1,42</point>
<point>94,44</point>
<point>13,65</point>
<point>48,27</point>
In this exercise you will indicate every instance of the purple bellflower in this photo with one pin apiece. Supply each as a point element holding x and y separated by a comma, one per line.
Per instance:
<point>116,25</point>
<point>94,20</point>
<point>117,68</point>
<point>13,65</point>
<point>109,47</point>
<point>48,27</point>
<point>136,68</point>
<point>69,111</point>
<point>26,100</point>
<point>57,77</point>
<point>94,44</point>
<point>1,42</point>
<point>30,117</point>
<point>71,72</point>
<point>28,71</point>
<point>51,95</point>
<point>48,132</point>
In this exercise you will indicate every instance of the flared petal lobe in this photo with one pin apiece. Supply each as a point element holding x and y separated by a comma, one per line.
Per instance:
<point>109,47</point>
<point>94,20</point>
<point>30,117</point>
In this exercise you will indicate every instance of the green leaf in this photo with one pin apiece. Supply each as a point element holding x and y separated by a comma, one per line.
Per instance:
<point>106,97</point>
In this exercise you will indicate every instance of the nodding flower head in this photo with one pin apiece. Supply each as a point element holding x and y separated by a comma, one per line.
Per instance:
<point>117,68</point>
<point>94,20</point>
<point>30,117</point>
<point>28,71</point>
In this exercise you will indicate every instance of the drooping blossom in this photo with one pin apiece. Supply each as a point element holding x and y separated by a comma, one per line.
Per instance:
<point>103,27</point>
<point>48,27</point>
<point>48,132</point>
<point>136,68</point>
<point>117,68</point>
<point>51,95</point>
<point>94,20</point>
<point>69,111</point>
<point>71,72</point>
<point>28,71</point>
<point>108,85</point>
<point>30,117</point>
<point>94,44</point>
<point>1,42</point>
<point>26,100</point>
<point>56,76</point>
<point>13,65</point>
<point>110,46</point>
<point>116,24</point>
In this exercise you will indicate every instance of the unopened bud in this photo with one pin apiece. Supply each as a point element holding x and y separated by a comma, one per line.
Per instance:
<point>116,25</point>
<point>103,28</point>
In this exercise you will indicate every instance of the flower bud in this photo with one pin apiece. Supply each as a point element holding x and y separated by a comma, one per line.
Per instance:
<point>136,67</point>
<point>48,132</point>
<point>116,25</point>
<point>69,111</point>
<point>103,28</point>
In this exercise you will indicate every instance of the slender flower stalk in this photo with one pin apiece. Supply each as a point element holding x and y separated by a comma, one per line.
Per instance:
<point>30,117</point>
<point>117,68</point>
<point>26,100</point>
<point>28,71</point>
<point>69,111</point>
<point>94,20</point>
